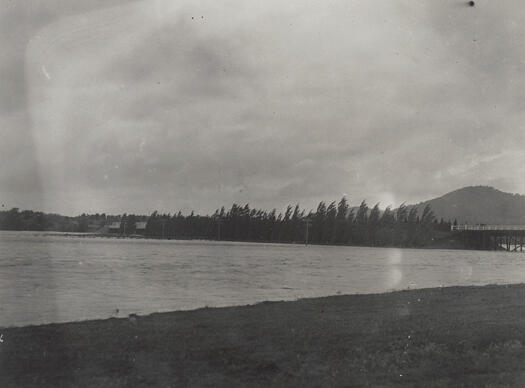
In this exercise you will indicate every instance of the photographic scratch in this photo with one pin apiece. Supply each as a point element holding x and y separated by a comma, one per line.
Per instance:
<point>45,72</point>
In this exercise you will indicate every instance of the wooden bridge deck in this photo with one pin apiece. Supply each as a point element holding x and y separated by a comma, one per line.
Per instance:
<point>482,227</point>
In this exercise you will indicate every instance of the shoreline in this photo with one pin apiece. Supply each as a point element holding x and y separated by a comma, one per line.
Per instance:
<point>447,243</point>
<point>237,306</point>
<point>473,336</point>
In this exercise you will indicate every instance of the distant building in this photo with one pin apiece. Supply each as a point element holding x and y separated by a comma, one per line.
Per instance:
<point>114,227</point>
<point>140,227</point>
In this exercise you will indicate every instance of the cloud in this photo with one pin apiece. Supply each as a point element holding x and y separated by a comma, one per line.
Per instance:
<point>146,105</point>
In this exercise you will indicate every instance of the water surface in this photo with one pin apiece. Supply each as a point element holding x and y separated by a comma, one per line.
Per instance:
<point>52,278</point>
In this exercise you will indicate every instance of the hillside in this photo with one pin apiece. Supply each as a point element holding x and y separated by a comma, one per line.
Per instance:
<point>479,204</point>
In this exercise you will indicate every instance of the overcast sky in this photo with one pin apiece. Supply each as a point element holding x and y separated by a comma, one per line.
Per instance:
<point>130,106</point>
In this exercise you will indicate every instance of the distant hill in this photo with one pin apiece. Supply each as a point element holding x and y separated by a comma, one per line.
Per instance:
<point>479,204</point>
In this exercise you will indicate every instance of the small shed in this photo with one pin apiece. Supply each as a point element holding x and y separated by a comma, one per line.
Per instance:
<point>140,226</point>
<point>114,227</point>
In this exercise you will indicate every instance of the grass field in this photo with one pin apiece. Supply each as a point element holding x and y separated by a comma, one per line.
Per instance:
<point>459,336</point>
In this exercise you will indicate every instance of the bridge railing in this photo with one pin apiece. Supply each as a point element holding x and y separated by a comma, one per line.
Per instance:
<point>486,227</point>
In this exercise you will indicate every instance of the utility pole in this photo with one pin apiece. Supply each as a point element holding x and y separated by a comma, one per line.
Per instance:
<point>307,222</point>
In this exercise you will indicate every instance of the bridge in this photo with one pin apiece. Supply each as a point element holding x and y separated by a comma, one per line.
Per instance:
<point>496,237</point>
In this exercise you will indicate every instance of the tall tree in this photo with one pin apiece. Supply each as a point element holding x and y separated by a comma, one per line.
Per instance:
<point>373,224</point>
<point>319,223</point>
<point>330,228</point>
<point>426,225</point>
<point>400,226</point>
<point>130,224</point>
<point>387,223</point>
<point>341,224</point>
<point>361,224</point>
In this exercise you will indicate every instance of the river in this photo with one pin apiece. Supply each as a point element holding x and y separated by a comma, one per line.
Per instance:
<point>46,277</point>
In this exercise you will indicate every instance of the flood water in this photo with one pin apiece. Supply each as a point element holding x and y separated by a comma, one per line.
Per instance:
<point>53,278</point>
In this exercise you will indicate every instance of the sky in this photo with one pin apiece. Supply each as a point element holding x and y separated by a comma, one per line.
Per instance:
<point>133,106</point>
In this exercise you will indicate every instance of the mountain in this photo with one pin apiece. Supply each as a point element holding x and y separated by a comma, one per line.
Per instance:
<point>479,205</point>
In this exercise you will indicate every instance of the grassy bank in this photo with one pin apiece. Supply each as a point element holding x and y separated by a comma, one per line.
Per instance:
<point>460,336</point>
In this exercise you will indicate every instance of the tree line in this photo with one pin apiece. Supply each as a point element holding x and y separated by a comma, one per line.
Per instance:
<point>15,219</point>
<point>332,223</point>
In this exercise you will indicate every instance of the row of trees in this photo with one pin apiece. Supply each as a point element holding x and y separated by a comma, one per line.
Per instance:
<point>333,223</point>
<point>15,219</point>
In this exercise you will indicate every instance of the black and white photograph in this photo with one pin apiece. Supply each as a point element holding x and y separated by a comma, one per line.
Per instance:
<point>247,193</point>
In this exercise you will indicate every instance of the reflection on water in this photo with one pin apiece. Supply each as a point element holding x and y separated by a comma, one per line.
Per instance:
<point>394,259</point>
<point>53,278</point>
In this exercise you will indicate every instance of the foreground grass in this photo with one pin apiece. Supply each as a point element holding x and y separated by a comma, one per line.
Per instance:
<point>459,336</point>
